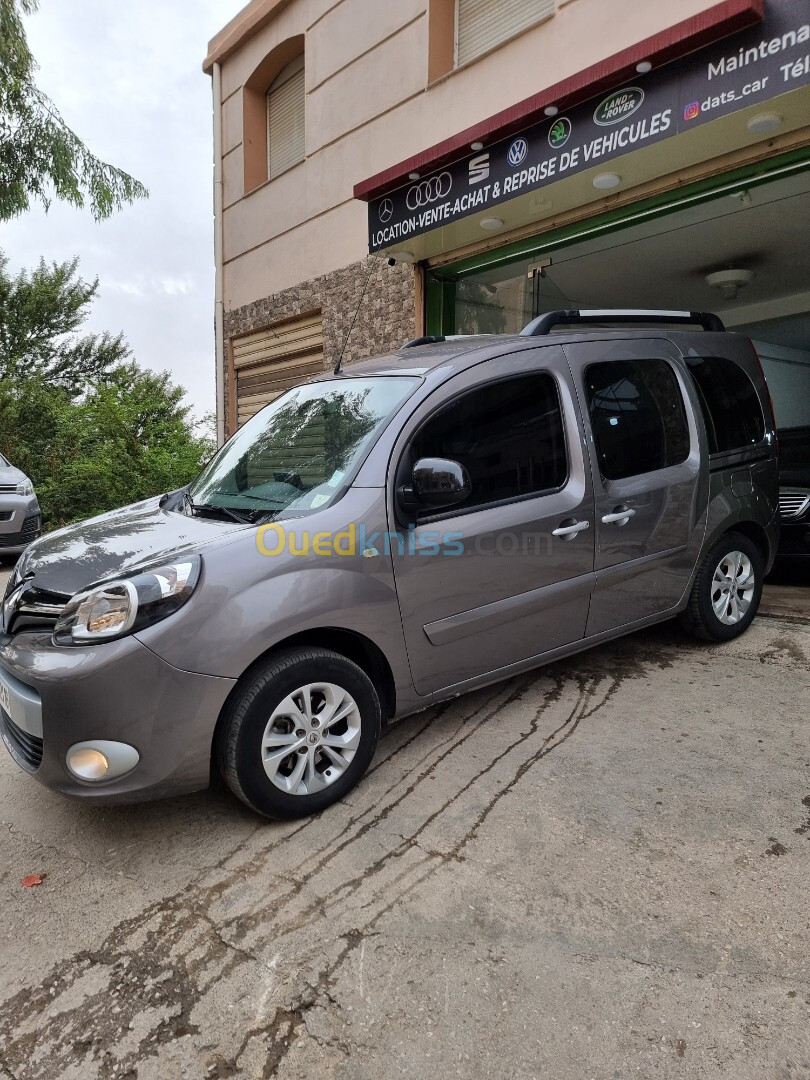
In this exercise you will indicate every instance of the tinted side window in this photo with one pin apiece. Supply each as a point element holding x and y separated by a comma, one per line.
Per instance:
<point>508,435</point>
<point>637,417</point>
<point>729,403</point>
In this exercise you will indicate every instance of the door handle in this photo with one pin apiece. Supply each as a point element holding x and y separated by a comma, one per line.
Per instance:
<point>568,532</point>
<point>620,516</point>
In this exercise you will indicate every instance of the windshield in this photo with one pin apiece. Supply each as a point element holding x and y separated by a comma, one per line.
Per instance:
<point>292,458</point>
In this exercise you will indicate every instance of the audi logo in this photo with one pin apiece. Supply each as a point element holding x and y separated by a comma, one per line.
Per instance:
<point>437,187</point>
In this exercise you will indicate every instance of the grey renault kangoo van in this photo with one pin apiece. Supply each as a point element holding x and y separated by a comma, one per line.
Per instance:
<point>388,536</point>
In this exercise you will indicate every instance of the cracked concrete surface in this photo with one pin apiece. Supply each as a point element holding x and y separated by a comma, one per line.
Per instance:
<point>568,875</point>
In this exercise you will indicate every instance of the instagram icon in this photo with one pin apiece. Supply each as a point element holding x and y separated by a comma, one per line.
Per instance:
<point>691,111</point>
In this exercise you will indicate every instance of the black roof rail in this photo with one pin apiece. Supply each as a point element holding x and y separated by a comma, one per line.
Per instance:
<point>429,339</point>
<point>544,323</point>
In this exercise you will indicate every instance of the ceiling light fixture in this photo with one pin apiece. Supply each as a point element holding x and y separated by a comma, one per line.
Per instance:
<point>551,110</point>
<point>643,67</point>
<point>476,145</point>
<point>606,180</point>
<point>491,223</point>
<point>764,123</point>
<point>729,282</point>
<point>414,175</point>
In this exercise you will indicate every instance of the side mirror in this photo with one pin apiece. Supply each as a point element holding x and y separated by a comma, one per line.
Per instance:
<point>437,482</point>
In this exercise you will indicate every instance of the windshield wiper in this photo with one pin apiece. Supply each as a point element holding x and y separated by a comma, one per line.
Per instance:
<point>225,511</point>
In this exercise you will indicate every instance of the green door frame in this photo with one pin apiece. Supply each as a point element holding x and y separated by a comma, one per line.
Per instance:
<point>440,282</point>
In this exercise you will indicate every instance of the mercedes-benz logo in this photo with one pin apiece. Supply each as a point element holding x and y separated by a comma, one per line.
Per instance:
<point>517,152</point>
<point>437,187</point>
<point>386,210</point>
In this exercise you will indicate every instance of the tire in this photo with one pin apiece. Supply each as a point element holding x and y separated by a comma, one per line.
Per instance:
<point>281,707</point>
<point>726,591</point>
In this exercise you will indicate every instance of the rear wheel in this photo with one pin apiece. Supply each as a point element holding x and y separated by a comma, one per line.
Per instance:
<point>726,591</point>
<point>300,734</point>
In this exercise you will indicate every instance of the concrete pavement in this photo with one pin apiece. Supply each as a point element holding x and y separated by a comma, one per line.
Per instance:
<point>598,870</point>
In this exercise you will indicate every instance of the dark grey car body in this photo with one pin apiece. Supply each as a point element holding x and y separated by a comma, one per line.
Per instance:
<point>423,625</point>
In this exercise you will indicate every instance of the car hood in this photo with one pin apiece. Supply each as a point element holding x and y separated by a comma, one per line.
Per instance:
<point>10,475</point>
<point>66,561</point>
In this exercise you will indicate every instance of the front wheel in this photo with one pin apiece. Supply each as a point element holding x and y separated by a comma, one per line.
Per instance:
<point>726,591</point>
<point>300,733</point>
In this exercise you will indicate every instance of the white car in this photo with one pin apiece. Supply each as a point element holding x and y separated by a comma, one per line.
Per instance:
<point>20,516</point>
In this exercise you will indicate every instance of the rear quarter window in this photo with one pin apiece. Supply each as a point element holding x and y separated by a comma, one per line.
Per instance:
<point>730,405</point>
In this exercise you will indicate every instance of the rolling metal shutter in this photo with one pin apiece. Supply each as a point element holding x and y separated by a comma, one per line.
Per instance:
<point>483,24</point>
<point>285,119</point>
<point>268,362</point>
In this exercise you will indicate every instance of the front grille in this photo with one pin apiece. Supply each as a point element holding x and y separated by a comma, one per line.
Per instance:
<point>793,505</point>
<point>30,529</point>
<point>8,489</point>
<point>29,532</point>
<point>6,515</point>
<point>24,748</point>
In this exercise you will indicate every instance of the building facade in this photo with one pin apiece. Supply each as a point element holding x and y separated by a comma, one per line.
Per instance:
<point>449,166</point>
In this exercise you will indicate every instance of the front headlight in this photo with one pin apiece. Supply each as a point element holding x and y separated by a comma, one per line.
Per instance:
<point>25,487</point>
<point>116,608</point>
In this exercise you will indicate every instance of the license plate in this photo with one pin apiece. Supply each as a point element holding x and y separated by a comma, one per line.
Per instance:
<point>5,698</point>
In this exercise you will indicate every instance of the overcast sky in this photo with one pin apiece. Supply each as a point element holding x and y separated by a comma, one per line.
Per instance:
<point>128,79</point>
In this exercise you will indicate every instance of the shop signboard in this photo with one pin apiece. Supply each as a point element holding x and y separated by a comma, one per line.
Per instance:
<point>750,68</point>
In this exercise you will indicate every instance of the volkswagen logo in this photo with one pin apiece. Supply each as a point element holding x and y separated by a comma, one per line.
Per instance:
<point>437,187</point>
<point>385,211</point>
<point>517,152</point>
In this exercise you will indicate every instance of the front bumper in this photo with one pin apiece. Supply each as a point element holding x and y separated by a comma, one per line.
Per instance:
<point>52,698</point>
<point>20,523</point>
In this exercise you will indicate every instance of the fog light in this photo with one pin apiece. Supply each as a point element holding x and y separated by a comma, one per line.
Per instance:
<point>101,759</point>
<point>88,764</point>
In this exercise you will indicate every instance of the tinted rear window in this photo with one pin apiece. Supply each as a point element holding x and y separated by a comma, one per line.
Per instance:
<point>729,403</point>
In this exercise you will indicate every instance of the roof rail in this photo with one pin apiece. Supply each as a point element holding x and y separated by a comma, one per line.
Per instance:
<point>544,323</point>
<point>429,339</point>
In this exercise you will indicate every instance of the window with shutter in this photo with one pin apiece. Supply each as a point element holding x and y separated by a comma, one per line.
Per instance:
<point>285,119</point>
<point>270,361</point>
<point>483,24</point>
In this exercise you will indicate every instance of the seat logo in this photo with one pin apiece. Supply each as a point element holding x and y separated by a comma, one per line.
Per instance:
<point>517,152</point>
<point>429,191</point>
<point>385,211</point>
<point>478,169</point>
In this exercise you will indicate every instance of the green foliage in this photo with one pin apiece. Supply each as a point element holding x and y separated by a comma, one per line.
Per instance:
<point>40,314</point>
<point>126,439</point>
<point>39,154</point>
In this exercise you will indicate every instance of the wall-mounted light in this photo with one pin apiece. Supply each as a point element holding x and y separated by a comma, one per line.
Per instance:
<point>476,145</point>
<point>551,110</point>
<point>729,282</point>
<point>643,66</point>
<point>764,123</point>
<point>491,223</point>
<point>606,180</point>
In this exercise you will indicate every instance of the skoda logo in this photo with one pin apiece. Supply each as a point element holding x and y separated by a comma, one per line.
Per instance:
<point>517,152</point>
<point>437,187</point>
<point>385,211</point>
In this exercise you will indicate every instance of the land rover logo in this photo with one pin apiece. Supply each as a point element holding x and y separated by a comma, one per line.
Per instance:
<point>619,106</point>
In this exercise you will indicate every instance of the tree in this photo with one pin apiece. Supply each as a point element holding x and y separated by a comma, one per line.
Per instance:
<point>40,314</point>
<point>39,154</point>
<point>125,439</point>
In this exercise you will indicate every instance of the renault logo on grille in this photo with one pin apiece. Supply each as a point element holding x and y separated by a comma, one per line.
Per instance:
<point>429,191</point>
